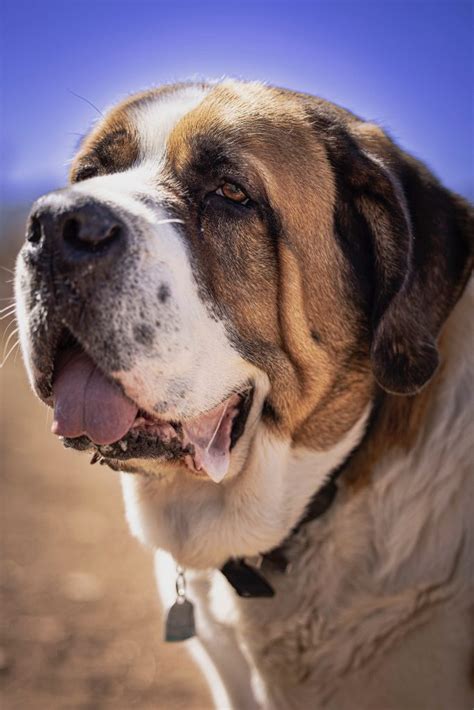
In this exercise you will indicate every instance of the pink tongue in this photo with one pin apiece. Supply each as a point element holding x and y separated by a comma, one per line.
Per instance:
<point>210,435</point>
<point>86,402</point>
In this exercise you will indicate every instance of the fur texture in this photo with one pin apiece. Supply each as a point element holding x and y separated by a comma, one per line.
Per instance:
<point>377,609</point>
<point>336,289</point>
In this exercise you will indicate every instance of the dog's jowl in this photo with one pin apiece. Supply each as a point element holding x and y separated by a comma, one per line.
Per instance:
<point>258,304</point>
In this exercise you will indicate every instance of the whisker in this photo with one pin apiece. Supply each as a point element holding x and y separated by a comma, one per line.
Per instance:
<point>4,308</point>
<point>7,311</point>
<point>16,355</point>
<point>5,332</point>
<point>9,353</point>
<point>83,98</point>
<point>12,334</point>
<point>9,315</point>
<point>9,324</point>
<point>216,429</point>
<point>170,221</point>
<point>9,271</point>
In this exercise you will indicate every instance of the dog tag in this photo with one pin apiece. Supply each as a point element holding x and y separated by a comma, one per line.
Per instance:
<point>180,621</point>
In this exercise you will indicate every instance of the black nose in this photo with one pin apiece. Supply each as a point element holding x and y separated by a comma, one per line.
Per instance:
<point>77,229</point>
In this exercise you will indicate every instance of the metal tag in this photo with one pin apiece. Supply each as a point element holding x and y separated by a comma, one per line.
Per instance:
<point>180,621</point>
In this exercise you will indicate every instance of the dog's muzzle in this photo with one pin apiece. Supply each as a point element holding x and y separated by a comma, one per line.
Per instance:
<point>79,267</point>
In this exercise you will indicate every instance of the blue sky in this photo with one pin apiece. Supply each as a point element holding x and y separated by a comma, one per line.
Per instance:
<point>406,64</point>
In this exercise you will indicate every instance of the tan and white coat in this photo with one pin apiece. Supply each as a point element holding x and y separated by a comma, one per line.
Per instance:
<point>340,293</point>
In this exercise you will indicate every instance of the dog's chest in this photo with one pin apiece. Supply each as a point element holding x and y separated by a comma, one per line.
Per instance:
<point>281,634</point>
<point>335,616</point>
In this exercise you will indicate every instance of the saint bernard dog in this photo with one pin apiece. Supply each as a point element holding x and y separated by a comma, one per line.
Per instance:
<point>256,306</point>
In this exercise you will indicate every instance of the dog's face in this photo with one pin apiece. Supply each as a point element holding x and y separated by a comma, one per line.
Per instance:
<point>228,260</point>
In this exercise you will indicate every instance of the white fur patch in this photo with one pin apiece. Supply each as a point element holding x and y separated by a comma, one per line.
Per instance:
<point>155,119</point>
<point>203,524</point>
<point>194,355</point>
<point>275,486</point>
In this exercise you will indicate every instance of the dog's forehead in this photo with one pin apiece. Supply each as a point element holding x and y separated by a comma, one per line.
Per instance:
<point>136,128</point>
<point>146,125</point>
<point>154,119</point>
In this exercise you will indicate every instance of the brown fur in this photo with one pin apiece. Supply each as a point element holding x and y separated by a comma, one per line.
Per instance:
<point>113,145</point>
<point>295,304</point>
<point>111,148</point>
<point>285,293</point>
<point>398,422</point>
<point>336,282</point>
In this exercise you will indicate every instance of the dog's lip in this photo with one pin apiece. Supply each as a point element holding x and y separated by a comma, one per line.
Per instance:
<point>137,444</point>
<point>202,442</point>
<point>145,416</point>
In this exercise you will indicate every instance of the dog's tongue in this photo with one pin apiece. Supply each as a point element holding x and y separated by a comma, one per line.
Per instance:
<point>210,435</point>
<point>86,402</point>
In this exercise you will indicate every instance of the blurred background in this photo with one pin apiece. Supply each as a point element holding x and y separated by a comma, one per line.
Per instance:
<point>80,621</point>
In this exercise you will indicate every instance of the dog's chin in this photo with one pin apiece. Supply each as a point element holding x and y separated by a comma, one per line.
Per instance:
<point>156,469</point>
<point>169,471</point>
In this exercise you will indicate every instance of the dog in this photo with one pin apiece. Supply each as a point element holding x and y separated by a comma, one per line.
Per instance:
<point>258,308</point>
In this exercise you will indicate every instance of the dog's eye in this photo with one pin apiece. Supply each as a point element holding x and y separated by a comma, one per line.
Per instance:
<point>233,192</point>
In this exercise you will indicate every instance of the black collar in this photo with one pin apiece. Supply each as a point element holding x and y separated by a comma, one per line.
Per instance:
<point>247,579</point>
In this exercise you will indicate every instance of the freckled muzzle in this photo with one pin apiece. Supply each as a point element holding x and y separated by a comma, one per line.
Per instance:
<point>73,273</point>
<point>108,298</point>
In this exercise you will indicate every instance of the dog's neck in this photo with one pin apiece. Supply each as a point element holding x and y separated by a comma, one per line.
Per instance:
<point>202,525</point>
<point>396,544</point>
<point>247,576</point>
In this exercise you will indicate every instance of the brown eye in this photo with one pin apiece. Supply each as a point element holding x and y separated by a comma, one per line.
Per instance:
<point>232,192</point>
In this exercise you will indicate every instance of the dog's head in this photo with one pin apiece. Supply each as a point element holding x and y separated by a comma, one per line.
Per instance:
<point>230,262</point>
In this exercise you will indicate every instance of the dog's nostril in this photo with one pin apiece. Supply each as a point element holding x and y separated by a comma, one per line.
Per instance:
<point>84,237</point>
<point>113,233</point>
<point>71,231</point>
<point>34,232</point>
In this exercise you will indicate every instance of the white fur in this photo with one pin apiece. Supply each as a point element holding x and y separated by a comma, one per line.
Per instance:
<point>155,120</point>
<point>195,344</point>
<point>378,585</point>
<point>277,483</point>
<point>203,524</point>
<point>377,610</point>
<point>190,343</point>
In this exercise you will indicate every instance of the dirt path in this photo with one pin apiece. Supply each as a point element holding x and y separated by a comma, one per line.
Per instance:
<point>81,626</point>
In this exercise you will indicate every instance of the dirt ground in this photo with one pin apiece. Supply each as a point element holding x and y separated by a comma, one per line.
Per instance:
<point>80,620</point>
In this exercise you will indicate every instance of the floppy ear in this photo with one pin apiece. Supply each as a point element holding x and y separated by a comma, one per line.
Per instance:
<point>421,236</point>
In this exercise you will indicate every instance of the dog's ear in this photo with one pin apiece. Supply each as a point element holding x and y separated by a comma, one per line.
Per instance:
<point>420,236</point>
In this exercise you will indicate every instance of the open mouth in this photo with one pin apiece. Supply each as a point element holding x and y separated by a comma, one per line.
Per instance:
<point>91,412</point>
